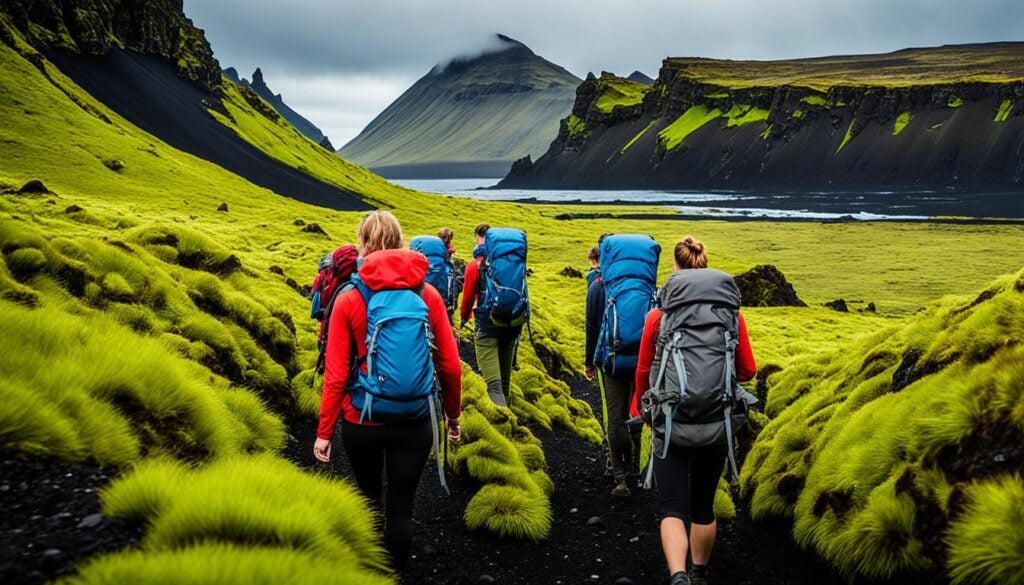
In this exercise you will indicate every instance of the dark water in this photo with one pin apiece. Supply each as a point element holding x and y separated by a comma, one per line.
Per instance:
<point>865,205</point>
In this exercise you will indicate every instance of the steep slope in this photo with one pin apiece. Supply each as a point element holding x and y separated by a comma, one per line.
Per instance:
<point>948,117</point>
<point>165,81</point>
<point>903,452</point>
<point>469,118</point>
<point>640,77</point>
<point>307,128</point>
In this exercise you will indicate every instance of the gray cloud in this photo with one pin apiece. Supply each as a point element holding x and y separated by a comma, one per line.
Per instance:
<point>393,42</point>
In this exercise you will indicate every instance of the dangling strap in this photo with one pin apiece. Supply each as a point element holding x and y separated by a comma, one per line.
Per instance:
<point>604,402</point>
<point>730,347</point>
<point>650,464</point>
<point>437,450</point>
<point>367,412</point>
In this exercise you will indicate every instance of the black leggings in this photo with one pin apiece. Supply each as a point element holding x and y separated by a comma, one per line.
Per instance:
<point>399,452</point>
<point>687,482</point>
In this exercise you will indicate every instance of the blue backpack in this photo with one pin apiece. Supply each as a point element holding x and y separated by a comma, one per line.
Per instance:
<point>399,384</point>
<point>440,275</point>
<point>629,274</point>
<point>504,296</point>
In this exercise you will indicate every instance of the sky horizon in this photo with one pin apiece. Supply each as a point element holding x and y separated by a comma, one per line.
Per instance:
<point>339,64</point>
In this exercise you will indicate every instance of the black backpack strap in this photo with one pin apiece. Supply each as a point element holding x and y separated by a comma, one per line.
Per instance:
<point>321,357</point>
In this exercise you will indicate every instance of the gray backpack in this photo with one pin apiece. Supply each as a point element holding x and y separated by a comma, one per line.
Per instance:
<point>694,399</point>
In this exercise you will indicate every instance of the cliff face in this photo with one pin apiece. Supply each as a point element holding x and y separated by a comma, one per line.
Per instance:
<point>95,27</point>
<point>471,117</point>
<point>943,118</point>
<point>259,85</point>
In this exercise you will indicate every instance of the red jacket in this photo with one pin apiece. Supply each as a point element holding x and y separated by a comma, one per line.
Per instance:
<point>387,269</point>
<point>746,368</point>
<point>469,292</point>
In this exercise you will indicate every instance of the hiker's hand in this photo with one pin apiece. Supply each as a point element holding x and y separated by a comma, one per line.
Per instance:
<point>590,372</point>
<point>454,429</point>
<point>322,450</point>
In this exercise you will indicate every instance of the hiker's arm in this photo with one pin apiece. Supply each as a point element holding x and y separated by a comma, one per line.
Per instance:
<point>746,367</point>
<point>648,347</point>
<point>469,290</point>
<point>594,312</point>
<point>446,358</point>
<point>336,370</point>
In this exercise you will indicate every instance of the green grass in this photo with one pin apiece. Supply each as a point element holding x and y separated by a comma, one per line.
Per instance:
<point>994,508</point>
<point>576,127</point>
<point>259,501</point>
<point>741,115</point>
<point>638,136</point>
<point>815,100</point>
<point>901,122</point>
<point>148,266</point>
<point>673,135</point>
<point>858,463</point>
<point>955,102</point>
<point>616,92</point>
<point>1003,114</point>
<point>847,137</point>
<point>951,64</point>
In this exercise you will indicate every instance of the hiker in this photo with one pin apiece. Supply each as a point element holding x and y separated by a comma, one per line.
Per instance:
<point>440,272</point>
<point>617,304</point>
<point>387,398</point>
<point>447,235</point>
<point>594,257</point>
<point>496,296</point>
<point>692,413</point>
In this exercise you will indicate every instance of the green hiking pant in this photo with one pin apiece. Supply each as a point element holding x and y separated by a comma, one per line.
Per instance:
<point>494,357</point>
<point>623,442</point>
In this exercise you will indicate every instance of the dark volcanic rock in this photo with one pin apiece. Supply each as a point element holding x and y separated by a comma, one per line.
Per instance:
<point>571,272</point>
<point>223,207</point>
<point>34,186</point>
<point>766,286</point>
<point>95,27</point>
<point>314,228</point>
<point>838,305</point>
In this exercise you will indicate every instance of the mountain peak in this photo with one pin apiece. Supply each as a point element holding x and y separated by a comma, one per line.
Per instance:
<point>257,76</point>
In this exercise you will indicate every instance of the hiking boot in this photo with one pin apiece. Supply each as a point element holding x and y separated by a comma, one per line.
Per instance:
<point>680,578</point>
<point>699,580</point>
<point>621,490</point>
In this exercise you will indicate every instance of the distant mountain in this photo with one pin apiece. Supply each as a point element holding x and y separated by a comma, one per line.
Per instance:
<point>641,77</point>
<point>274,99</point>
<point>470,117</point>
<point>949,117</point>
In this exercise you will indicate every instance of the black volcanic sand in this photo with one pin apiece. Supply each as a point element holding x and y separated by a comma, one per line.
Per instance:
<point>51,520</point>
<point>146,91</point>
<point>622,543</point>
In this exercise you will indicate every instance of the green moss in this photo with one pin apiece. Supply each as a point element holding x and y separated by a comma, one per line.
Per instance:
<point>815,100</point>
<point>689,122</point>
<point>994,507</point>
<point>847,137</point>
<point>575,126</point>
<point>638,136</point>
<point>799,114</point>
<point>935,127</point>
<point>901,122</point>
<point>1003,114</point>
<point>618,92</point>
<point>955,102</point>
<point>511,512</point>
<point>741,115</point>
<point>767,132</point>
<point>717,96</point>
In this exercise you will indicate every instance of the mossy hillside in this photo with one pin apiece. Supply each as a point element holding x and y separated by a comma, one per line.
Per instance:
<point>247,508</point>
<point>673,135</point>
<point>875,448</point>
<point>616,91</point>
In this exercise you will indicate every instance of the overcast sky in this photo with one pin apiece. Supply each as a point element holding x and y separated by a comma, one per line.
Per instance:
<point>340,62</point>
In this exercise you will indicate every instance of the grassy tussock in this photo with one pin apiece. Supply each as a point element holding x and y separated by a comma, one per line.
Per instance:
<point>260,501</point>
<point>222,564</point>
<point>869,443</point>
<point>986,541</point>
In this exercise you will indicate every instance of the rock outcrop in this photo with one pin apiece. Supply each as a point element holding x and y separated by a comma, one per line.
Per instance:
<point>920,119</point>
<point>95,27</point>
<point>766,286</point>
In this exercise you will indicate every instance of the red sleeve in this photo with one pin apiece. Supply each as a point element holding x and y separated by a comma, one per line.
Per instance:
<point>648,347</point>
<point>446,358</point>
<point>746,368</point>
<point>469,289</point>
<point>336,370</point>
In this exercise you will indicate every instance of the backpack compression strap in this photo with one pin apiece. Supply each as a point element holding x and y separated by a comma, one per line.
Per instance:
<point>663,401</point>
<point>730,350</point>
<point>321,357</point>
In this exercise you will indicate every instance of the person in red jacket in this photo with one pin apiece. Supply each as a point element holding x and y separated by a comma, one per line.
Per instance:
<point>395,451</point>
<point>687,477</point>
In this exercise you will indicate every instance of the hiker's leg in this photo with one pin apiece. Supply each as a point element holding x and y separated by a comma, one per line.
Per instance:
<point>618,390</point>
<point>407,452</point>
<point>487,361</point>
<point>706,465</point>
<point>673,476</point>
<point>506,357</point>
<point>365,451</point>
